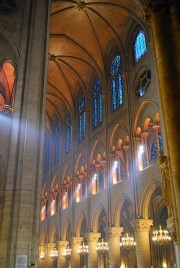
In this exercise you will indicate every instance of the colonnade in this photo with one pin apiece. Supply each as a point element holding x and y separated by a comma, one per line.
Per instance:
<point>141,229</point>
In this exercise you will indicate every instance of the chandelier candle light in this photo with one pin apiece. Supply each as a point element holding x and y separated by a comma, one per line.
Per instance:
<point>67,252</point>
<point>127,242</point>
<point>83,249</point>
<point>161,237</point>
<point>54,253</point>
<point>102,246</point>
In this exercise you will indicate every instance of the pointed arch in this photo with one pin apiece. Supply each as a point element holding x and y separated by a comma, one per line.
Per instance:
<point>96,215</point>
<point>64,229</point>
<point>146,196</point>
<point>117,209</point>
<point>79,221</point>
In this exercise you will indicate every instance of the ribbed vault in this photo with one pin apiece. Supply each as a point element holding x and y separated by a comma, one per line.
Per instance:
<point>83,35</point>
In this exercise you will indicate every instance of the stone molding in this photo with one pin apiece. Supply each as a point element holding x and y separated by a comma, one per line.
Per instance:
<point>114,232</point>
<point>141,224</point>
<point>92,237</point>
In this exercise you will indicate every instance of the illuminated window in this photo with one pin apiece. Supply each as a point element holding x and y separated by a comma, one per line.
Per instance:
<point>82,119</point>
<point>101,180</point>
<point>116,84</point>
<point>68,134</point>
<point>97,104</point>
<point>156,146</point>
<point>139,46</point>
<point>47,155</point>
<point>57,144</point>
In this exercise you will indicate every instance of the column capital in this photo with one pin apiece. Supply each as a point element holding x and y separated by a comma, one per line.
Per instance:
<point>92,237</point>
<point>142,224</point>
<point>76,239</point>
<point>62,243</point>
<point>114,232</point>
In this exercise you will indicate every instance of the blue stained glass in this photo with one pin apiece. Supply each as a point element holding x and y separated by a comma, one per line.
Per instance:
<point>122,172</point>
<point>144,159</point>
<point>57,144</point>
<point>82,119</point>
<point>154,148</point>
<point>83,188</point>
<point>116,84</point>
<point>68,134</point>
<point>47,155</point>
<point>97,104</point>
<point>101,180</point>
<point>69,195</point>
<point>139,46</point>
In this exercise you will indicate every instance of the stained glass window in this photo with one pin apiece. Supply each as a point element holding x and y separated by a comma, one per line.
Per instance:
<point>83,184</point>
<point>57,144</point>
<point>116,84</point>
<point>101,180</point>
<point>97,104</point>
<point>68,134</point>
<point>122,172</point>
<point>139,46</point>
<point>154,148</point>
<point>47,155</point>
<point>82,119</point>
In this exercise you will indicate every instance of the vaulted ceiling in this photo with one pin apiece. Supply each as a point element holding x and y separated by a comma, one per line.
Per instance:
<point>82,36</point>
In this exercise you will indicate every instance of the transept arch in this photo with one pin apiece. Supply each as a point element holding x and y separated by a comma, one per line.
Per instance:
<point>117,209</point>
<point>96,216</point>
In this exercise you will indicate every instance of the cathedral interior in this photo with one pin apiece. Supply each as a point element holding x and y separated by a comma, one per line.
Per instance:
<point>89,134</point>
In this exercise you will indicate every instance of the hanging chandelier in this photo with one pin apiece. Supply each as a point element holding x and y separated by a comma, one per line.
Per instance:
<point>67,252</point>
<point>127,242</point>
<point>161,237</point>
<point>102,247</point>
<point>42,256</point>
<point>54,253</point>
<point>83,249</point>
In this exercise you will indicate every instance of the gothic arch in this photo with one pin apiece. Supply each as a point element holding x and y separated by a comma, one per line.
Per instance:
<point>148,109</point>
<point>117,209</point>
<point>79,221</point>
<point>96,215</point>
<point>52,231</point>
<point>146,196</point>
<point>122,129</point>
<point>65,228</point>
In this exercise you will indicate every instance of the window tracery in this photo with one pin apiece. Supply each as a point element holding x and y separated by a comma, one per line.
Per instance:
<point>139,45</point>
<point>68,134</point>
<point>97,104</point>
<point>82,119</point>
<point>116,84</point>
<point>57,144</point>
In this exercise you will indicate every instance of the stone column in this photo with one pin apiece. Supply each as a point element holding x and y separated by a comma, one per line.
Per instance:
<point>19,232</point>
<point>48,260</point>
<point>171,226</point>
<point>141,229</point>
<point>92,239</point>
<point>75,258</point>
<point>61,245</point>
<point>164,19</point>
<point>113,234</point>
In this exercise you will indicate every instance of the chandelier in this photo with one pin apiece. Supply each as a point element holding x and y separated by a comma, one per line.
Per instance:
<point>67,252</point>
<point>127,242</point>
<point>161,237</point>
<point>54,253</point>
<point>83,249</point>
<point>102,247</point>
<point>42,256</point>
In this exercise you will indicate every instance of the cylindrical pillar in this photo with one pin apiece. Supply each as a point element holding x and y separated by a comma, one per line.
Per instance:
<point>61,245</point>
<point>92,239</point>
<point>48,260</point>
<point>141,229</point>
<point>75,258</point>
<point>114,234</point>
<point>164,20</point>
